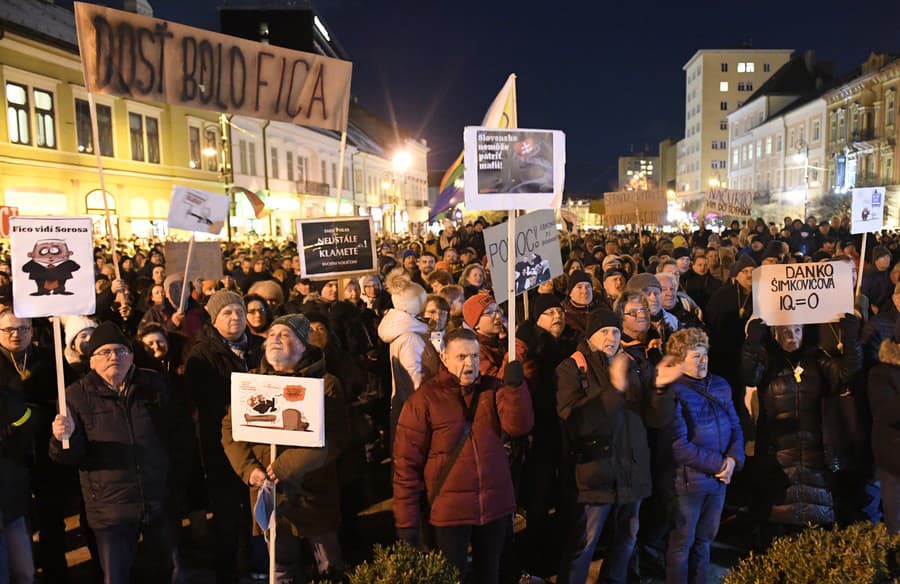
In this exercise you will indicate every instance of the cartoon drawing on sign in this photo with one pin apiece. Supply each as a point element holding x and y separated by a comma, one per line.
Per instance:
<point>263,411</point>
<point>865,214</point>
<point>50,267</point>
<point>201,214</point>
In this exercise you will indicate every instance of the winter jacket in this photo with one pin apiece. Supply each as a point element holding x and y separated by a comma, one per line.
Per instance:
<point>37,385</point>
<point>876,330</point>
<point>702,434</point>
<point>207,376</point>
<point>791,435</point>
<point>406,336</point>
<point>308,494</point>
<point>577,316</point>
<point>884,397</point>
<point>17,425</point>
<point>120,446</point>
<point>607,429</point>
<point>479,487</point>
<point>877,286</point>
<point>726,322</point>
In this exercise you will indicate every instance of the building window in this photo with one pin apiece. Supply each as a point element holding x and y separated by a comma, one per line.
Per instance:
<point>242,155</point>
<point>723,124</point>
<point>746,67</point>
<point>735,157</point>
<point>758,149</point>
<point>891,104</point>
<point>251,158</point>
<point>302,168</point>
<point>144,134</point>
<point>212,146</point>
<point>723,86</point>
<point>194,138</point>
<point>324,172</point>
<point>334,179</point>
<point>816,131</point>
<point>289,165</point>
<point>767,68</point>
<point>18,124</point>
<point>889,170</point>
<point>43,117</point>
<point>83,128</point>
<point>778,143</point>
<point>723,105</point>
<point>745,86</point>
<point>768,145</point>
<point>724,67</point>
<point>274,161</point>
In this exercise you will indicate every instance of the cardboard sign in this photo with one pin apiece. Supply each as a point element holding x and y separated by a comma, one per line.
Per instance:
<point>513,168</point>
<point>627,207</point>
<point>273,409</point>
<point>5,214</point>
<point>206,259</point>
<point>141,57</point>
<point>537,253</point>
<point>52,261</point>
<point>729,202</point>
<point>802,293</point>
<point>867,210</point>
<point>196,210</point>
<point>336,247</point>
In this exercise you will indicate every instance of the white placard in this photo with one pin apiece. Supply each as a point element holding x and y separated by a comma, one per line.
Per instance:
<point>273,409</point>
<point>802,293</point>
<point>513,168</point>
<point>52,266</point>
<point>537,253</point>
<point>867,210</point>
<point>196,210</point>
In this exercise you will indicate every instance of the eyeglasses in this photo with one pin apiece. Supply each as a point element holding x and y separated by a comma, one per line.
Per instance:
<point>16,329</point>
<point>108,353</point>
<point>637,313</point>
<point>493,312</point>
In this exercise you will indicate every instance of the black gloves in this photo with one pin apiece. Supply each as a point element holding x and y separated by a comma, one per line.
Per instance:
<point>410,535</point>
<point>849,327</point>
<point>513,374</point>
<point>757,330</point>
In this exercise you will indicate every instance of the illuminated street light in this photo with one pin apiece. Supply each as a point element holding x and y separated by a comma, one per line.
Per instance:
<point>402,161</point>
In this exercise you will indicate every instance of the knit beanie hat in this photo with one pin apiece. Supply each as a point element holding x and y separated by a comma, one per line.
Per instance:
<point>76,324</point>
<point>220,300</point>
<point>681,252</point>
<point>743,261</point>
<point>577,277</point>
<point>405,294</point>
<point>601,318</point>
<point>298,324</point>
<point>541,303</point>
<point>107,333</point>
<point>642,281</point>
<point>474,307</point>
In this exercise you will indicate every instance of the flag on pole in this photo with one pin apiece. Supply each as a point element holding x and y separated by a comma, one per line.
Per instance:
<point>501,114</point>
<point>257,200</point>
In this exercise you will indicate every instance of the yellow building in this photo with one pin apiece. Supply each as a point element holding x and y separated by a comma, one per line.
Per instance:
<point>47,164</point>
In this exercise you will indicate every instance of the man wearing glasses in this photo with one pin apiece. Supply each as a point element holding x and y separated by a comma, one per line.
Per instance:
<point>117,428</point>
<point>28,368</point>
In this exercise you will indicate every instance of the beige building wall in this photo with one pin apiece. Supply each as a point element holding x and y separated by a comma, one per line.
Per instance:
<point>717,82</point>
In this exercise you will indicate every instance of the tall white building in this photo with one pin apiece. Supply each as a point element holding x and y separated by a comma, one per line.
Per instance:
<point>717,82</point>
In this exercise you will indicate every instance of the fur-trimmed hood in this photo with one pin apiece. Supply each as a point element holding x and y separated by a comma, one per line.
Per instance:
<point>889,352</point>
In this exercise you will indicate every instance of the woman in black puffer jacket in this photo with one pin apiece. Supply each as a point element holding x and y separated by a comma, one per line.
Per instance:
<point>794,382</point>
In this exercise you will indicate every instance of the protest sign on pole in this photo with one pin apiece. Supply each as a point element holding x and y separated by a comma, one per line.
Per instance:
<point>196,210</point>
<point>52,262</point>
<point>142,57</point>
<point>802,293</point>
<point>729,202</point>
<point>273,409</point>
<point>333,247</point>
<point>5,213</point>
<point>641,207</point>
<point>867,210</point>
<point>513,168</point>
<point>206,259</point>
<point>537,258</point>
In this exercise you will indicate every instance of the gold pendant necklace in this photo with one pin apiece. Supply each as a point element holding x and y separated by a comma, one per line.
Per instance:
<point>23,372</point>
<point>741,305</point>
<point>837,335</point>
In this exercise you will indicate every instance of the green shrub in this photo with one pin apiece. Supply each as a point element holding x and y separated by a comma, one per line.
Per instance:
<point>403,564</point>
<point>861,553</point>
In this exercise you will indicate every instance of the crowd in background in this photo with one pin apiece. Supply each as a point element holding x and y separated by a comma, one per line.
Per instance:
<point>642,386</point>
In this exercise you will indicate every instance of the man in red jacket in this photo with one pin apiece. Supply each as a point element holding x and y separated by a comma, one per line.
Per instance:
<point>449,446</point>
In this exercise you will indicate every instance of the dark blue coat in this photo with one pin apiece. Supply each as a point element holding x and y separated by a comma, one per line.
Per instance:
<point>703,434</point>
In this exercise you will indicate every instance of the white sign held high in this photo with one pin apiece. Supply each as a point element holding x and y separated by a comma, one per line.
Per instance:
<point>196,210</point>
<point>271,409</point>
<point>802,293</point>
<point>867,210</point>
<point>52,261</point>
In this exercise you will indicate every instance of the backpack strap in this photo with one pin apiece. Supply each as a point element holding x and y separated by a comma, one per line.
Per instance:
<point>581,365</point>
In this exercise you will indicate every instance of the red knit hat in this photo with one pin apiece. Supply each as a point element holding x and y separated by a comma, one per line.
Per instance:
<point>473,308</point>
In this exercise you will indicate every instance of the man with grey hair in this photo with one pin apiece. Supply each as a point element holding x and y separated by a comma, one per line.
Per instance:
<point>673,303</point>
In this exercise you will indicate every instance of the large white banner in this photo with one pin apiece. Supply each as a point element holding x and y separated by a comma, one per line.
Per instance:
<point>273,409</point>
<point>537,253</point>
<point>52,261</point>
<point>867,210</point>
<point>196,210</point>
<point>513,168</point>
<point>802,293</point>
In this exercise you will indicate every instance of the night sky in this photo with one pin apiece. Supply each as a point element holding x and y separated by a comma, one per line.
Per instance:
<point>608,74</point>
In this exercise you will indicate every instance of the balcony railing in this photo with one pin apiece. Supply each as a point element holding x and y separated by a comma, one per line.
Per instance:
<point>862,135</point>
<point>308,187</point>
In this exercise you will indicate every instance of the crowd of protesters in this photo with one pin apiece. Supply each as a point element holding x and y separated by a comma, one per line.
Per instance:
<point>641,387</point>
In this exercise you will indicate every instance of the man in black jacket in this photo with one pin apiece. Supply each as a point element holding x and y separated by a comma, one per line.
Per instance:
<point>117,428</point>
